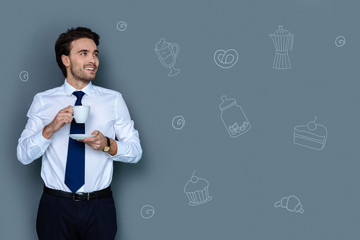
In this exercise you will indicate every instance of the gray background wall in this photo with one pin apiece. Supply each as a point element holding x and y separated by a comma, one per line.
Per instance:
<point>248,174</point>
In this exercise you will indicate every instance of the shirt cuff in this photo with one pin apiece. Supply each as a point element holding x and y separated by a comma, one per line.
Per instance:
<point>126,152</point>
<point>121,148</point>
<point>41,141</point>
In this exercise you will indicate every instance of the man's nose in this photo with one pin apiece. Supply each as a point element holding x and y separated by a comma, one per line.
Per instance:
<point>92,60</point>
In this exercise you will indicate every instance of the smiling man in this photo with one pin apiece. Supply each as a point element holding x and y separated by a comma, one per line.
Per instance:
<point>77,201</point>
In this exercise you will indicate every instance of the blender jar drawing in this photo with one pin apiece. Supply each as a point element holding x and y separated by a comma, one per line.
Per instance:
<point>233,117</point>
<point>283,42</point>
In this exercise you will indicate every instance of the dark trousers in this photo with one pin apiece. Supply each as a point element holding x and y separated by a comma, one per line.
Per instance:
<point>62,218</point>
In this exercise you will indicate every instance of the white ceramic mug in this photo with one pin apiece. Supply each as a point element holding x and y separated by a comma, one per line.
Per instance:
<point>81,113</point>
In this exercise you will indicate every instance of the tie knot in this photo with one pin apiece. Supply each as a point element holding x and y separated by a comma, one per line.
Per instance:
<point>79,95</point>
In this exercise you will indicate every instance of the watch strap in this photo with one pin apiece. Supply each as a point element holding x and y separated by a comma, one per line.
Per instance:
<point>107,147</point>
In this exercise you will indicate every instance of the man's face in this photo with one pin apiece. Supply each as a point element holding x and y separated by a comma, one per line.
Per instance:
<point>83,60</point>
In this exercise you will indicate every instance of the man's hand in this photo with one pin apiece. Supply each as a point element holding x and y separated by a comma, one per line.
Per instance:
<point>98,142</point>
<point>63,117</point>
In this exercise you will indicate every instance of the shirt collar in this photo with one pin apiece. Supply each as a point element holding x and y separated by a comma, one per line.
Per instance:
<point>70,89</point>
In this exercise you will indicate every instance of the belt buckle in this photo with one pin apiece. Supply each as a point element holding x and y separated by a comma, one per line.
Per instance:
<point>78,197</point>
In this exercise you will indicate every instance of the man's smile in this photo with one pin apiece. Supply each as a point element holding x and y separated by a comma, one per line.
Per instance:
<point>91,68</point>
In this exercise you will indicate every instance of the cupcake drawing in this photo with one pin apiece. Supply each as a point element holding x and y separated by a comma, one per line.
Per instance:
<point>197,190</point>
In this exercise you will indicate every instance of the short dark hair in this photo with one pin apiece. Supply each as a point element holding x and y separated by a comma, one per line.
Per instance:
<point>62,45</point>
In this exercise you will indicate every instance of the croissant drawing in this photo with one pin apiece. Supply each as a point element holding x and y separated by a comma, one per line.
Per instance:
<point>291,203</point>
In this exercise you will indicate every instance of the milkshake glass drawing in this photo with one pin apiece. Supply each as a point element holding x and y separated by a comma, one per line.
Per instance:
<point>167,54</point>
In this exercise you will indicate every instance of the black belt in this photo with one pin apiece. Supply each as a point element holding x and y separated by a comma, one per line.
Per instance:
<point>106,192</point>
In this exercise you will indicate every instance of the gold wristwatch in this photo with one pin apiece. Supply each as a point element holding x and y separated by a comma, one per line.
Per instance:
<point>107,147</point>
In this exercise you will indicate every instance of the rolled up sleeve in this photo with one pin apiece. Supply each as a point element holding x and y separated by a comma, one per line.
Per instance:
<point>128,144</point>
<point>32,144</point>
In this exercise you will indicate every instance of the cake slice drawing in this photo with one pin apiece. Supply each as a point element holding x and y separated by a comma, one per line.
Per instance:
<point>311,135</point>
<point>197,190</point>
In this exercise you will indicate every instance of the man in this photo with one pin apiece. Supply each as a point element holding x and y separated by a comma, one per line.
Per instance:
<point>77,201</point>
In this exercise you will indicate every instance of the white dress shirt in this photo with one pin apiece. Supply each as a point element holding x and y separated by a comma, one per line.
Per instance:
<point>108,114</point>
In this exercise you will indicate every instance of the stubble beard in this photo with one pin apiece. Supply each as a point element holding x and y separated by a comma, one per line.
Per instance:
<point>79,74</point>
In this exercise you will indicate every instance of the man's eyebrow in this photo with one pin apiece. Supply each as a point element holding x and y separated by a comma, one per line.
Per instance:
<point>85,50</point>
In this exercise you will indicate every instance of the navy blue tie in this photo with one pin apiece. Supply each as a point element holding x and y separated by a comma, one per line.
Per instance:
<point>75,165</point>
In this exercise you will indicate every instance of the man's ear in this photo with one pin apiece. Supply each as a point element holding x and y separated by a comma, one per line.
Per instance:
<point>65,60</point>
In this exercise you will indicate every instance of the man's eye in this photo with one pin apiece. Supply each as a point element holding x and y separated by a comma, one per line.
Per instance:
<point>83,53</point>
<point>96,54</point>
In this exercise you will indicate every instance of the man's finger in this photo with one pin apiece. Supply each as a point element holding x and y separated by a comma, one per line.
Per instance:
<point>68,114</point>
<point>67,110</point>
<point>89,139</point>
